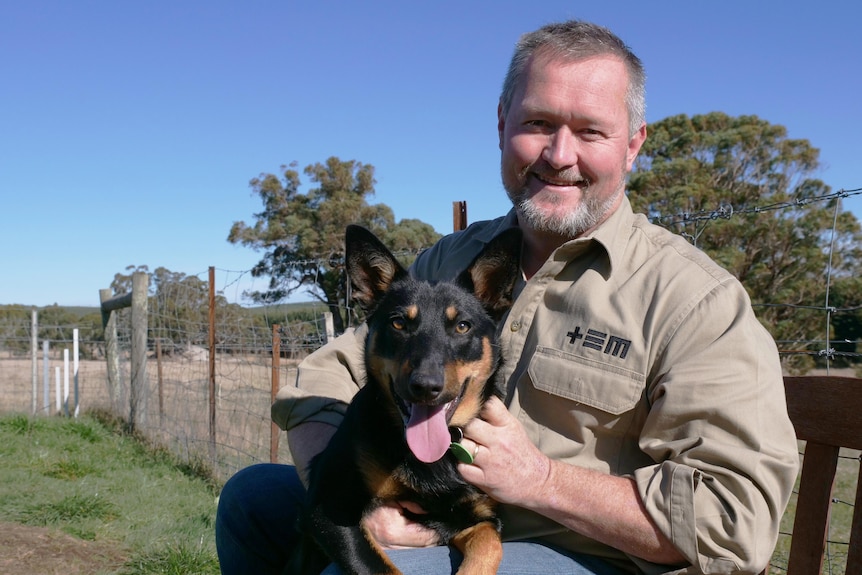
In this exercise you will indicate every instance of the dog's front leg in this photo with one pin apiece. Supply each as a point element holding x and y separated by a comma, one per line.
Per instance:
<point>481,547</point>
<point>350,547</point>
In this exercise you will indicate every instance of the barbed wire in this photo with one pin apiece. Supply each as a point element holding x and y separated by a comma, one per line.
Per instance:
<point>810,307</point>
<point>727,211</point>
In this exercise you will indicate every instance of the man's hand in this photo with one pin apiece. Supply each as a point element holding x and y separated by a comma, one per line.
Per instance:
<point>509,468</point>
<point>507,465</point>
<point>392,529</point>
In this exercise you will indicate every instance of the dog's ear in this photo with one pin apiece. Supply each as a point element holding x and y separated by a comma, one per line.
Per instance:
<point>371,267</point>
<point>494,273</point>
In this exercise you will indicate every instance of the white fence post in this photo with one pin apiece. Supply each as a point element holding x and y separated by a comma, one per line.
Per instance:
<point>46,376</point>
<point>57,396</point>
<point>66,382</point>
<point>75,368</point>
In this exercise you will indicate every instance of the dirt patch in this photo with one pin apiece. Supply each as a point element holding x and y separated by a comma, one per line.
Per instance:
<point>26,550</point>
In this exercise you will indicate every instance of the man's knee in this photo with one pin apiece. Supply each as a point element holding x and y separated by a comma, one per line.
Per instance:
<point>256,518</point>
<point>261,494</point>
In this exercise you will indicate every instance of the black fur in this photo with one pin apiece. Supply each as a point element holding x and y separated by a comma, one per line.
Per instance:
<point>427,345</point>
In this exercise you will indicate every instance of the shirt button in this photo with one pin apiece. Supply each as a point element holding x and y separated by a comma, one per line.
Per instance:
<point>515,325</point>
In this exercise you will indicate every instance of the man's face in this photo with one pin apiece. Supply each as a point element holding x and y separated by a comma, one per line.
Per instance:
<point>565,143</point>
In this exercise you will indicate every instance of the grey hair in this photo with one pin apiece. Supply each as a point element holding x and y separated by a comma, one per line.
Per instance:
<point>576,40</point>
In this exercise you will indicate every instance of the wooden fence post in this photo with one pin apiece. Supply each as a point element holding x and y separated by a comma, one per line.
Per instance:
<point>138,393</point>
<point>328,327</point>
<point>112,356</point>
<point>212,352</point>
<point>459,216</point>
<point>276,364</point>
<point>161,381</point>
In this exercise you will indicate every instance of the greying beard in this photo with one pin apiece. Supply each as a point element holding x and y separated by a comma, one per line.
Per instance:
<point>589,213</point>
<point>570,225</point>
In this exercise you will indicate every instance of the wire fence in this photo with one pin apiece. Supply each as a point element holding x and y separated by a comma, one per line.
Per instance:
<point>233,429</point>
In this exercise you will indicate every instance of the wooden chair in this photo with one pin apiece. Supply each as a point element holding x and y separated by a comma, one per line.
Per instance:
<point>827,414</point>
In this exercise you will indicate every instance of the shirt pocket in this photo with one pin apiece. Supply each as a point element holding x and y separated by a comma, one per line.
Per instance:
<point>608,388</point>
<point>583,411</point>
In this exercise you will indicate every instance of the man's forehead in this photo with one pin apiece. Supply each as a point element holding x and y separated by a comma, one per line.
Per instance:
<point>556,57</point>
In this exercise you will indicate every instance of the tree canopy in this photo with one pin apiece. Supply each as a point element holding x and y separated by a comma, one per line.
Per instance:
<point>301,234</point>
<point>745,193</point>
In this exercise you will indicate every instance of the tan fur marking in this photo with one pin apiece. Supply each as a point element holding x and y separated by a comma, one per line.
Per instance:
<point>391,569</point>
<point>412,312</point>
<point>383,485</point>
<point>451,313</point>
<point>482,549</point>
<point>475,373</point>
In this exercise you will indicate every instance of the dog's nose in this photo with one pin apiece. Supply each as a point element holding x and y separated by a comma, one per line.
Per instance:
<point>425,387</point>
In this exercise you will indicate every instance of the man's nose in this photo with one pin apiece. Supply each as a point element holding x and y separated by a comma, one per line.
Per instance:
<point>561,150</point>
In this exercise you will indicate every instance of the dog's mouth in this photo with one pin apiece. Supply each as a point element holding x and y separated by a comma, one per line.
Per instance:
<point>426,427</point>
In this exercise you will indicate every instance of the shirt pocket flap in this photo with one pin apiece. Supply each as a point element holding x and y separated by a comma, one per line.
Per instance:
<point>606,387</point>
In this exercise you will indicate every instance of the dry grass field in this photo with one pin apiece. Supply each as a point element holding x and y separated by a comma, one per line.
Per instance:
<point>177,410</point>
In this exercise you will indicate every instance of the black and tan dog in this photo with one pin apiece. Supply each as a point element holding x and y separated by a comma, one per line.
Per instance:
<point>430,357</point>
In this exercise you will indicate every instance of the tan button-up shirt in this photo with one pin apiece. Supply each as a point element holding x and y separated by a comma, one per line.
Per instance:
<point>632,353</point>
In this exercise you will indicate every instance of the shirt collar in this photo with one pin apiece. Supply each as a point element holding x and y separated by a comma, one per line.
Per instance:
<point>611,236</point>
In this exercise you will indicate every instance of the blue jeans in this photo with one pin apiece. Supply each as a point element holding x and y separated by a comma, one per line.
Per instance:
<point>255,533</point>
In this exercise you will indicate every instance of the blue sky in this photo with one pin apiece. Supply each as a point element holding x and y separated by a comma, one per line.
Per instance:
<point>129,130</point>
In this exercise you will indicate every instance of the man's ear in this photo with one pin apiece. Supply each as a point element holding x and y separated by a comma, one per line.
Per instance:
<point>635,143</point>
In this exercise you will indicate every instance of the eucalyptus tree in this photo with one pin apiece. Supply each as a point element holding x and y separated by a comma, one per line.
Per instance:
<point>746,193</point>
<point>301,233</point>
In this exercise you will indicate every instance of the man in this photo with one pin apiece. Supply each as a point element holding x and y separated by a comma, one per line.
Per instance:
<point>645,428</point>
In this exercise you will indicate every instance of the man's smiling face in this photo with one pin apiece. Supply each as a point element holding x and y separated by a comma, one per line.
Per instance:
<point>566,147</point>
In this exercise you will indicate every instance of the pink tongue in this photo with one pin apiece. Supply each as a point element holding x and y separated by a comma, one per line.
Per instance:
<point>427,433</point>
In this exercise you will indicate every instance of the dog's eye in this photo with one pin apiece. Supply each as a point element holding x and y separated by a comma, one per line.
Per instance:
<point>398,323</point>
<point>462,327</point>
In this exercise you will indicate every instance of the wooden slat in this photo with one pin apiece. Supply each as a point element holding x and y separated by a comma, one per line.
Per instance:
<point>854,557</point>
<point>826,409</point>
<point>826,412</point>
<point>811,524</point>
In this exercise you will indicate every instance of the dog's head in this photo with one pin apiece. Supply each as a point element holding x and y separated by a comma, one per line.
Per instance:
<point>432,348</point>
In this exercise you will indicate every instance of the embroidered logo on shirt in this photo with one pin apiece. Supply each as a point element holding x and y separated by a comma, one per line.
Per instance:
<point>600,341</point>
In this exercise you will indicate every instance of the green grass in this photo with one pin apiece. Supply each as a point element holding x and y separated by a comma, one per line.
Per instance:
<point>86,478</point>
<point>90,480</point>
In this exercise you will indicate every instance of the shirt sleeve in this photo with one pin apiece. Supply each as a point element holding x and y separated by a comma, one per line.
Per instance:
<point>719,430</point>
<point>326,381</point>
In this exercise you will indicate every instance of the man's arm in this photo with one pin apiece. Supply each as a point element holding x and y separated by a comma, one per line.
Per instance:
<point>723,450</point>
<point>307,440</point>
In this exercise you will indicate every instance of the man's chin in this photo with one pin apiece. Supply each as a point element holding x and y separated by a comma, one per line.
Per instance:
<point>569,220</point>
<point>543,218</point>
